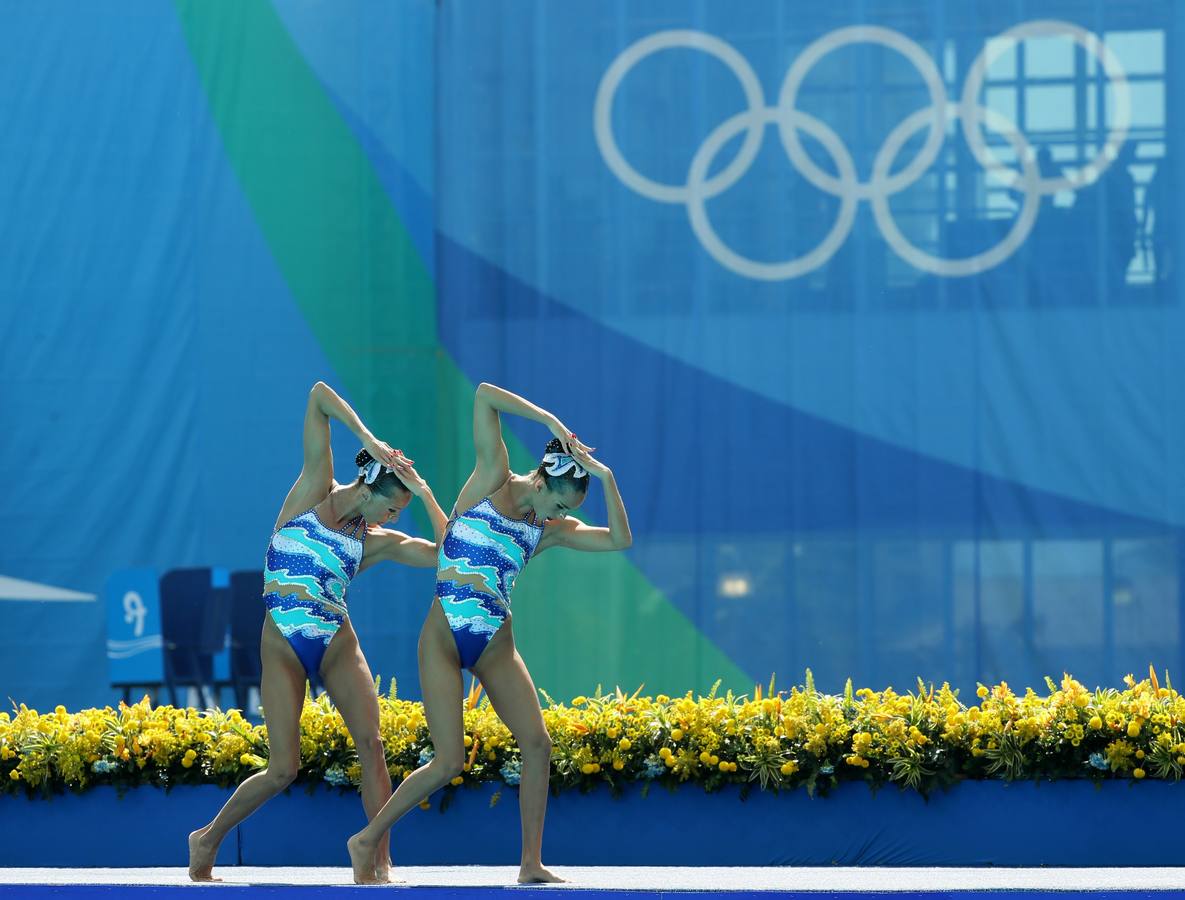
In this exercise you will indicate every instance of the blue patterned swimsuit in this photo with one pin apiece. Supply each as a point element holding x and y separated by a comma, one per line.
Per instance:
<point>308,568</point>
<point>481,554</point>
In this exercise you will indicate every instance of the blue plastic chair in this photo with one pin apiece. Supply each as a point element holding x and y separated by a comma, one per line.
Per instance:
<point>194,620</point>
<point>246,624</point>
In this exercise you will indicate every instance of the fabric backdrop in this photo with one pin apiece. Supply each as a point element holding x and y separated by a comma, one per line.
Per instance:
<point>873,309</point>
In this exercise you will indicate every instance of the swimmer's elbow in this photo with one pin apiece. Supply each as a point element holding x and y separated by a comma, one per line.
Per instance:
<point>426,555</point>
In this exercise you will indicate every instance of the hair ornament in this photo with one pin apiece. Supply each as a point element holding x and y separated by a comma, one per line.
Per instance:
<point>556,464</point>
<point>372,470</point>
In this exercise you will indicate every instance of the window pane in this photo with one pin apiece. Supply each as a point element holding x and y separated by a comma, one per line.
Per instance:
<point>1139,52</point>
<point>1049,57</point>
<point>1049,108</point>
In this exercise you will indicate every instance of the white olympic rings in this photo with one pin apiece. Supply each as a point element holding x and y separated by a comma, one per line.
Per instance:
<point>845,183</point>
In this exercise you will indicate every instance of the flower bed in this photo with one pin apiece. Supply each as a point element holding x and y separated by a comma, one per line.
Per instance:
<point>771,740</point>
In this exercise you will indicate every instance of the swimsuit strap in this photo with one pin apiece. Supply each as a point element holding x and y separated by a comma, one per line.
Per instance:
<point>357,526</point>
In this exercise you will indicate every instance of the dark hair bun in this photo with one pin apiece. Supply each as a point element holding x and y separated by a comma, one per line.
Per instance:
<point>555,445</point>
<point>363,458</point>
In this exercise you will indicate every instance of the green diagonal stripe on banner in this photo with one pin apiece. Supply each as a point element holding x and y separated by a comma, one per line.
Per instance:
<point>349,263</point>
<point>341,247</point>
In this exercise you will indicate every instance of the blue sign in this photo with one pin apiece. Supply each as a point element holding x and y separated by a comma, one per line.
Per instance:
<point>133,627</point>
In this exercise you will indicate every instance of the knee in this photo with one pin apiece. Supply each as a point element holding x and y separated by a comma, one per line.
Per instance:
<point>281,773</point>
<point>370,748</point>
<point>449,763</point>
<point>536,744</point>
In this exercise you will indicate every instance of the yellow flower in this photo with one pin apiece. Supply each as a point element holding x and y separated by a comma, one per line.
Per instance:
<point>15,774</point>
<point>579,701</point>
<point>789,768</point>
<point>677,734</point>
<point>1138,773</point>
<point>1133,729</point>
<point>665,752</point>
<point>590,768</point>
<point>981,692</point>
<point>1096,723</point>
<point>624,744</point>
<point>457,780</point>
<point>1140,754</point>
<point>425,804</point>
<point>618,765</point>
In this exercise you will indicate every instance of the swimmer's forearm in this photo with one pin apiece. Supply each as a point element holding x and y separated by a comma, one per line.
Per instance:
<point>502,400</point>
<point>333,406</point>
<point>619,522</point>
<point>435,514</point>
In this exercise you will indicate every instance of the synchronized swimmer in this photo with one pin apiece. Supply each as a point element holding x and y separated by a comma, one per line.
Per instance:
<point>500,521</point>
<point>326,533</point>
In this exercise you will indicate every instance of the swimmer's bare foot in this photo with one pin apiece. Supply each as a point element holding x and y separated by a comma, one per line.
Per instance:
<point>382,869</point>
<point>362,860</point>
<point>201,856</point>
<point>536,874</point>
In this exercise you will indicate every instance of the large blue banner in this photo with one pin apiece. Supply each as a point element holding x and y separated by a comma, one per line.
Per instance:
<point>873,308</point>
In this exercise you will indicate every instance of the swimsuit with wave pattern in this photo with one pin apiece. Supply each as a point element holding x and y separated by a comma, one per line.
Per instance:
<point>481,555</point>
<point>308,567</point>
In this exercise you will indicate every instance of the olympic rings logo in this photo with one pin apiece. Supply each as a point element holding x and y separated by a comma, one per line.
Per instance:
<point>883,183</point>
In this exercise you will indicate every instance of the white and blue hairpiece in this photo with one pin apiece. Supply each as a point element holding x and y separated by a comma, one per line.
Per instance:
<point>372,470</point>
<point>558,463</point>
